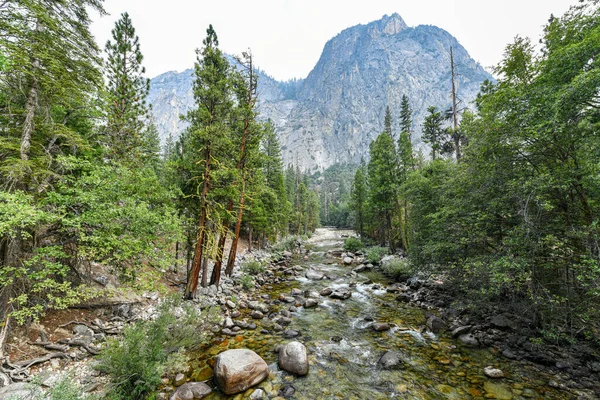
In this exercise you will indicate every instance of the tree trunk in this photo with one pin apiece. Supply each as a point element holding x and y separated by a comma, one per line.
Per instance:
<point>215,277</point>
<point>238,227</point>
<point>192,283</point>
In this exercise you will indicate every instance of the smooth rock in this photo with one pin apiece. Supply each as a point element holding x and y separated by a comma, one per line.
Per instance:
<point>290,333</point>
<point>257,314</point>
<point>310,303</point>
<point>469,340</point>
<point>191,391</point>
<point>293,358</point>
<point>348,260</point>
<point>314,275</point>
<point>391,359</point>
<point>435,324</point>
<point>492,372</point>
<point>179,379</point>
<point>381,326</point>
<point>461,330</point>
<point>239,369</point>
<point>326,291</point>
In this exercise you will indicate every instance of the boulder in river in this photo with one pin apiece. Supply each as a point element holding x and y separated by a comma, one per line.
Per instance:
<point>391,360</point>
<point>435,324</point>
<point>348,260</point>
<point>326,291</point>
<point>239,369</point>
<point>293,358</point>
<point>310,303</point>
<point>191,391</point>
<point>492,372</point>
<point>381,326</point>
<point>314,275</point>
<point>341,293</point>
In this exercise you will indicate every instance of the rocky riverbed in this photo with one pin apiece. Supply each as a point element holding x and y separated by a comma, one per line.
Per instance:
<point>324,324</point>
<point>369,338</point>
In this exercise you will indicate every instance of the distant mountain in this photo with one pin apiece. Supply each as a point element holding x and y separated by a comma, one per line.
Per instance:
<point>333,114</point>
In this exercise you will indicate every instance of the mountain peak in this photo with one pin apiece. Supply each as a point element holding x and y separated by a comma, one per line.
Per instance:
<point>389,24</point>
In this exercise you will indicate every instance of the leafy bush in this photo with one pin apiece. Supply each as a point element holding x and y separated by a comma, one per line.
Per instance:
<point>353,244</point>
<point>399,269</point>
<point>375,254</point>
<point>247,281</point>
<point>149,349</point>
<point>253,267</point>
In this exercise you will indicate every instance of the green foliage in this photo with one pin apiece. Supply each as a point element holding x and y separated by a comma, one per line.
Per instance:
<point>383,186</point>
<point>126,93</point>
<point>247,281</point>
<point>136,362</point>
<point>433,133</point>
<point>516,221</point>
<point>253,267</point>
<point>353,244</point>
<point>400,269</point>
<point>375,254</point>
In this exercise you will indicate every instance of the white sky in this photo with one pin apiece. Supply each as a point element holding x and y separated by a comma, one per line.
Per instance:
<point>287,36</point>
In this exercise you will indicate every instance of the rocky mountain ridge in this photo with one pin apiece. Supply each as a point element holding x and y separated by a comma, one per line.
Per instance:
<point>333,114</point>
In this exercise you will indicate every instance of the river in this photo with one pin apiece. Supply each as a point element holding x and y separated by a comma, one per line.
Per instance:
<point>344,348</point>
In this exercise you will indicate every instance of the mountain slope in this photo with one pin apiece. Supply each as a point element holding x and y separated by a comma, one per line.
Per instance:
<point>333,114</point>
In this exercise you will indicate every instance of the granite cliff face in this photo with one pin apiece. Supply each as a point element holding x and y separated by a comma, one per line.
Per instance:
<point>333,114</point>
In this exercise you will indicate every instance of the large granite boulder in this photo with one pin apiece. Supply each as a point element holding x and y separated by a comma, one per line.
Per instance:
<point>239,369</point>
<point>293,358</point>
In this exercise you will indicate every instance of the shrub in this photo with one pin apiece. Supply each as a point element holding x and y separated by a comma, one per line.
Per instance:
<point>353,244</point>
<point>399,269</point>
<point>253,267</point>
<point>375,254</point>
<point>149,349</point>
<point>247,281</point>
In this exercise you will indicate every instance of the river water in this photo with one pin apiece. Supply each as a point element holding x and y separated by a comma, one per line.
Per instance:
<point>344,349</point>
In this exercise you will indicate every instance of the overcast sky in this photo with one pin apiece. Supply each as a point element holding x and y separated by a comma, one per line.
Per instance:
<point>287,36</point>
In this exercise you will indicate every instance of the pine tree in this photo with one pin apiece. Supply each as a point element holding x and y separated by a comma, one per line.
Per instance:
<point>209,136</point>
<point>383,184</point>
<point>388,122</point>
<point>406,118</point>
<point>127,91</point>
<point>433,132</point>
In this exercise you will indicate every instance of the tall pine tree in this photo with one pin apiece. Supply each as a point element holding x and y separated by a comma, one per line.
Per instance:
<point>127,111</point>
